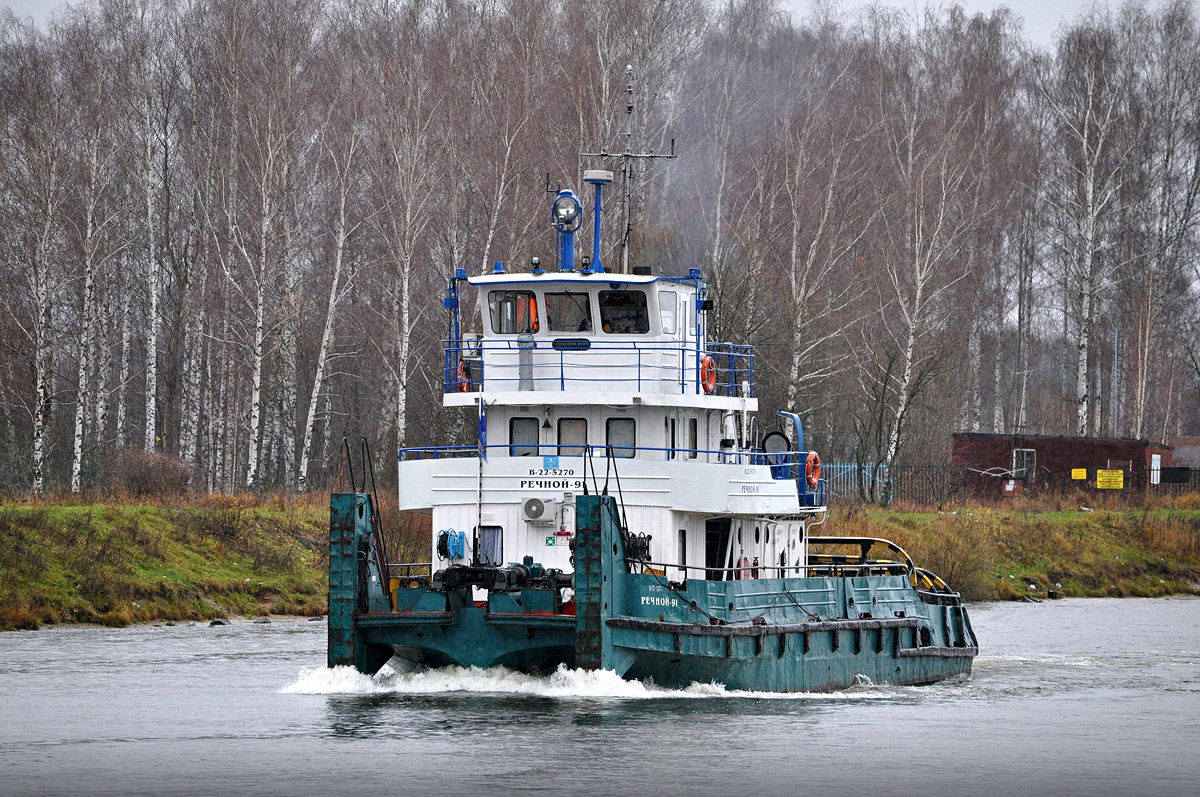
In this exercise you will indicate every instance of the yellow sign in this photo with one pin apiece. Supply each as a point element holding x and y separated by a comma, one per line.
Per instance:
<point>1079,473</point>
<point>1110,479</point>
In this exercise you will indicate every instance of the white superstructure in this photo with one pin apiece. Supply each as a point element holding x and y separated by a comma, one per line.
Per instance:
<point>605,381</point>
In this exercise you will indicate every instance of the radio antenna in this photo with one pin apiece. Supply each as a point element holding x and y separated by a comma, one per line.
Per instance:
<point>626,159</point>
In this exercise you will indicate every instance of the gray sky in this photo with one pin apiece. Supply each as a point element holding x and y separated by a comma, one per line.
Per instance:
<point>31,8</point>
<point>1042,17</point>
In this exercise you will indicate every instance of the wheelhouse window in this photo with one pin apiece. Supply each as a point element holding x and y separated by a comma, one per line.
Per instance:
<point>572,437</point>
<point>523,437</point>
<point>621,435</point>
<point>568,312</point>
<point>513,312</point>
<point>624,312</point>
<point>667,305</point>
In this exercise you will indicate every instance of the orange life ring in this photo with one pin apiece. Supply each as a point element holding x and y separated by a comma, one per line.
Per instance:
<point>812,469</point>
<point>464,384</point>
<point>708,374</point>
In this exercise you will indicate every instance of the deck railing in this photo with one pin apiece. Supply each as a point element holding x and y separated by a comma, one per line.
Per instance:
<point>783,464</point>
<point>580,363</point>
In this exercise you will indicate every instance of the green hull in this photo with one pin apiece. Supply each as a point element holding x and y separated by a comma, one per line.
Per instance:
<point>778,635</point>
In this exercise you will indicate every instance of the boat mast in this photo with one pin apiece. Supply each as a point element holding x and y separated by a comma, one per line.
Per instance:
<point>627,157</point>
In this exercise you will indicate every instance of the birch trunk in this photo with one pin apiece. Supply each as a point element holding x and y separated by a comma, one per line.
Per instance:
<point>87,321</point>
<point>260,328</point>
<point>152,289</point>
<point>256,358</point>
<point>404,353</point>
<point>126,362</point>
<point>1082,380</point>
<point>220,450</point>
<point>1024,322</point>
<point>326,435</point>
<point>42,356</point>
<point>326,337</point>
<point>905,385</point>
<point>208,413</point>
<point>190,426</point>
<point>104,368</point>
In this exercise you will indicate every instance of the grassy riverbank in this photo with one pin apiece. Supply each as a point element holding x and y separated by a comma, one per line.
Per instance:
<point>1020,550</point>
<point>117,563</point>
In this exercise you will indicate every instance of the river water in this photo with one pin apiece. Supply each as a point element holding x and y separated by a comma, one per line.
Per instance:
<point>1070,697</point>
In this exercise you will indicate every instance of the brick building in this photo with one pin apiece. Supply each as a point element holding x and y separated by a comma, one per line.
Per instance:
<point>1002,464</point>
<point>1187,452</point>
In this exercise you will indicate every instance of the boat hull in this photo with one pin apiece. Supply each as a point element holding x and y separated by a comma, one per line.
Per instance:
<point>801,634</point>
<point>812,657</point>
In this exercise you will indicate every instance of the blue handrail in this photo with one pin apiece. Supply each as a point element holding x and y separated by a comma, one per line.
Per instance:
<point>578,365</point>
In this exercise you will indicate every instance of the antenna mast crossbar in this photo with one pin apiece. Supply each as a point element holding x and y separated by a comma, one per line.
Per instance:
<point>627,158</point>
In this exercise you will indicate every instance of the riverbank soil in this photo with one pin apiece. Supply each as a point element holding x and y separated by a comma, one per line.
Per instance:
<point>116,563</point>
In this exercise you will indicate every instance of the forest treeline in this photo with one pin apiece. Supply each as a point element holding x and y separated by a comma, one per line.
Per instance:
<point>226,227</point>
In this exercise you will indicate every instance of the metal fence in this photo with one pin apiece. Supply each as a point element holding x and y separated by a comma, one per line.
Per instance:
<point>852,482</point>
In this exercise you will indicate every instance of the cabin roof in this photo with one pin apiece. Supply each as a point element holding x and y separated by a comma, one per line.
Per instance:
<point>519,278</point>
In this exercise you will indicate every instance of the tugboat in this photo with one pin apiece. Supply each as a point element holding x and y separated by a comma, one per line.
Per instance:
<point>622,508</point>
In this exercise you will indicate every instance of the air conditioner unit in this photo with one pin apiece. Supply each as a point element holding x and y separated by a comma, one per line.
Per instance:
<point>538,510</point>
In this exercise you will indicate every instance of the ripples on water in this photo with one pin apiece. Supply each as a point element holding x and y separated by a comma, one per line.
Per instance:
<point>1072,697</point>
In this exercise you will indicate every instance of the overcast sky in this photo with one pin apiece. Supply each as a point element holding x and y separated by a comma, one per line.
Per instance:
<point>1042,17</point>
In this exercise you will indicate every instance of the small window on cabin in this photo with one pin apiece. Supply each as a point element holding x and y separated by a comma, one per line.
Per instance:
<point>523,437</point>
<point>683,549</point>
<point>568,312</point>
<point>1024,463</point>
<point>513,312</point>
<point>621,435</point>
<point>693,434</point>
<point>624,312</point>
<point>572,437</point>
<point>491,546</point>
<point>668,303</point>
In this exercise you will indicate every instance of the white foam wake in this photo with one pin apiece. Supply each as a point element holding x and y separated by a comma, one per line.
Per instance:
<point>563,683</point>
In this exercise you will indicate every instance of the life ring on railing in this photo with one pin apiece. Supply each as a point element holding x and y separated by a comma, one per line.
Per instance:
<point>812,469</point>
<point>708,374</point>
<point>462,383</point>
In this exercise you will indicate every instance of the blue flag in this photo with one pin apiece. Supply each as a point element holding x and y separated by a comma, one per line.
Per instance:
<point>482,432</point>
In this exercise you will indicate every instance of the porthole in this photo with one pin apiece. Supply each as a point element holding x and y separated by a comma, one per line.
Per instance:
<point>757,535</point>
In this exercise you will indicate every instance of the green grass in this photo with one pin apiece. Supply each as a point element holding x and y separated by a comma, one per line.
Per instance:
<point>997,553</point>
<point>117,564</point>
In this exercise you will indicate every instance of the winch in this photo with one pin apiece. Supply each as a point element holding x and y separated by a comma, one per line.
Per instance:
<point>526,575</point>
